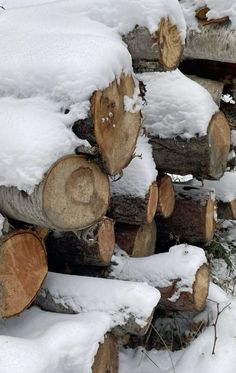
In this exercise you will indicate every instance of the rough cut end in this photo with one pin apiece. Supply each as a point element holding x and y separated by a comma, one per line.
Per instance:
<point>116,130</point>
<point>166,196</point>
<point>152,202</point>
<point>106,359</point>
<point>200,287</point>
<point>219,144</point>
<point>106,240</point>
<point>76,193</point>
<point>23,267</point>
<point>210,222</point>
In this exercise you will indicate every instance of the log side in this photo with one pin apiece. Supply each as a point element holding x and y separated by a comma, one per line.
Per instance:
<point>226,210</point>
<point>214,87</point>
<point>106,359</point>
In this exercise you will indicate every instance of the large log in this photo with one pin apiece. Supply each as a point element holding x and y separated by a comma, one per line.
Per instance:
<point>137,241</point>
<point>92,246</point>
<point>111,126</point>
<point>130,304</point>
<point>107,358</point>
<point>192,219</point>
<point>23,268</point>
<point>166,196</point>
<point>74,194</point>
<point>162,49</point>
<point>181,276</point>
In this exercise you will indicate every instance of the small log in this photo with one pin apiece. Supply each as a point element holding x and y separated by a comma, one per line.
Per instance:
<point>204,156</point>
<point>137,241</point>
<point>213,87</point>
<point>107,358</point>
<point>182,287</point>
<point>73,195</point>
<point>23,268</point>
<point>74,294</point>
<point>92,246</point>
<point>164,47</point>
<point>110,127</point>
<point>193,216</point>
<point>166,196</point>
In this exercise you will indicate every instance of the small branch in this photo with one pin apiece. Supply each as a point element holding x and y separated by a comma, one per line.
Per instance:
<point>215,324</point>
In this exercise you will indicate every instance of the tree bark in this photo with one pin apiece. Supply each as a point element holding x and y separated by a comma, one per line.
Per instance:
<point>110,127</point>
<point>92,246</point>
<point>73,195</point>
<point>137,241</point>
<point>166,196</point>
<point>23,268</point>
<point>204,157</point>
<point>215,88</point>
<point>226,210</point>
<point>201,14</point>
<point>107,358</point>
<point>162,48</point>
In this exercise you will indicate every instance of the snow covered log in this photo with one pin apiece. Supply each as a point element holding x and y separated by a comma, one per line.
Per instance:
<point>23,268</point>
<point>187,132</point>
<point>93,246</point>
<point>162,49</point>
<point>129,304</point>
<point>193,216</point>
<point>214,87</point>
<point>74,194</point>
<point>137,241</point>
<point>112,126</point>
<point>166,196</point>
<point>181,275</point>
<point>134,196</point>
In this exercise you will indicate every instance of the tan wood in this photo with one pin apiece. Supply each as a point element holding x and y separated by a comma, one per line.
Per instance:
<point>201,13</point>
<point>110,127</point>
<point>137,241</point>
<point>92,246</point>
<point>166,196</point>
<point>106,359</point>
<point>23,267</point>
<point>73,195</point>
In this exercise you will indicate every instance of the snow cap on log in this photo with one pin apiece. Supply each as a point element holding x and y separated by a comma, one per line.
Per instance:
<point>64,341</point>
<point>225,187</point>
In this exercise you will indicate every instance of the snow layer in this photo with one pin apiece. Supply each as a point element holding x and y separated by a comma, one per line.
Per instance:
<point>181,262</point>
<point>225,188</point>
<point>122,15</point>
<point>140,173</point>
<point>218,9</point>
<point>176,106</point>
<point>119,299</point>
<point>45,342</point>
<point>33,135</point>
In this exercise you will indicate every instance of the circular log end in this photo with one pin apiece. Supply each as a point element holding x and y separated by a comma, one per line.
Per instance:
<point>106,359</point>
<point>152,202</point>
<point>219,144</point>
<point>200,287</point>
<point>23,267</point>
<point>106,241</point>
<point>116,130</point>
<point>145,241</point>
<point>76,193</point>
<point>170,44</point>
<point>166,196</point>
<point>210,221</point>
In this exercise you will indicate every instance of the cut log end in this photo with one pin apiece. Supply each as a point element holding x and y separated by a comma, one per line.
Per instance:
<point>106,241</point>
<point>106,359</point>
<point>116,130</point>
<point>166,196</point>
<point>210,223</point>
<point>200,287</point>
<point>23,267</point>
<point>152,202</point>
<point>76,193</point>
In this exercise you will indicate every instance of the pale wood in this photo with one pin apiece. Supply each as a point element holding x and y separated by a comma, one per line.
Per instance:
<point>23,268</point>
<point>107,358</point>
<point>164,47</point>
<point>204,157</point>
<point>137,241</point>
<point>215,88</point>
<point>166,196</point>
<point>92,246</point>
<point>73,195</point>
<point>112,129</point>
<point>134,210</point>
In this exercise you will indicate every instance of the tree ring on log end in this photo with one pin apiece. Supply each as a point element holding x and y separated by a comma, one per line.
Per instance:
<point>200,287</point>
<point>75,194</point>
<point>210,225</point>
<point>106,240</point>
<point>116,130</point>
<point>23,268</point>
<point>152,202</point>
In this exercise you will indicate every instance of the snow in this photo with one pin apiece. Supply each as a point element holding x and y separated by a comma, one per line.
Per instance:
<point>181,262</point>
<point>33,135</point>
<point>45,342</point>
<point>225,188</point>
<point>2,220</point>
<point>122,15</point>
<point>119,299</point>
<point>140,173</point>
<point>176,106</point>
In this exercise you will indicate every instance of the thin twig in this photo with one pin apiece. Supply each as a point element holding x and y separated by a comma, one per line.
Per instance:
<point>215,324</point>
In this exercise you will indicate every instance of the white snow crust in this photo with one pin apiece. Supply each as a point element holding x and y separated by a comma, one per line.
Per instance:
<point>181,262</point>
<point>119,299</point>
<point>225,188</point>
<point>46,342</point>
<point>176,106</point>
<point>139,175</point>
